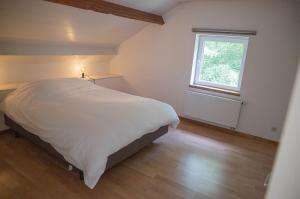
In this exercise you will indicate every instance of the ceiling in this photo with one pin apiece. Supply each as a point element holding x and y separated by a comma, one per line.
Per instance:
<point>37,20</point>
<point>159,7</point>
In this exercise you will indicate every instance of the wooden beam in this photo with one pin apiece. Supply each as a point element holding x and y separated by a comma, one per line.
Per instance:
<point>112,8</point>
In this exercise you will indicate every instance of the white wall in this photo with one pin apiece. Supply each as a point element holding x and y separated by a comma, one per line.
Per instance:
<point>24,68</point>
<point>157,61</point>
<point>285,179</point>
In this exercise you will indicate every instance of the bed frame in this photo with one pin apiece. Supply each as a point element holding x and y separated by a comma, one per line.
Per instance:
<point>112,160</point>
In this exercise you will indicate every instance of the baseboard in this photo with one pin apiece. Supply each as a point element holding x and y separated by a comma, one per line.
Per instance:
<point>230,131</point>
<point>222,129</point>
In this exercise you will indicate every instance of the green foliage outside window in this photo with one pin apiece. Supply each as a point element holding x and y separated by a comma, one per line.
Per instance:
<point>222,62</point>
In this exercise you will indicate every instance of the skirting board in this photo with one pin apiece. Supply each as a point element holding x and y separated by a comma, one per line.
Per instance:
<point>4,128</point>
<point>230,131</point>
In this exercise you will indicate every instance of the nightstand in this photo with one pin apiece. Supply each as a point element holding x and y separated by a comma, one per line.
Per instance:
<point>107,80</point>
<point>5,89</point>
<point>10,86</point>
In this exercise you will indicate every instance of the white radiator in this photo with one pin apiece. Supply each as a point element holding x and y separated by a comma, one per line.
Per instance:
<point>213,109</point>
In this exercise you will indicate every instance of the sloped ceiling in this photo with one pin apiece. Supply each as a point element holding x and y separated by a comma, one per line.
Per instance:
<point>24,21</point>
<point>159,7</point>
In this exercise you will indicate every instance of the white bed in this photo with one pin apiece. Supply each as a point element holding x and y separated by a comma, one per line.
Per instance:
<point>84,122</point>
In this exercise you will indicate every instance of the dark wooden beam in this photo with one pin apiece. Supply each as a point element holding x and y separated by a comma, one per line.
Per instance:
<point>112,8</point>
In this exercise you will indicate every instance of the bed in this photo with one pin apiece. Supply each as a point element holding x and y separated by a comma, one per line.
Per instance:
<point>87,126</point>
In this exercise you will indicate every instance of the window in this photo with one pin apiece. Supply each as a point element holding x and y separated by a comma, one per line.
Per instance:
<point>219,62</point>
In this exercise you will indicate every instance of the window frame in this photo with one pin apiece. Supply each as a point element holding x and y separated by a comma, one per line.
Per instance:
<point>199,51</point>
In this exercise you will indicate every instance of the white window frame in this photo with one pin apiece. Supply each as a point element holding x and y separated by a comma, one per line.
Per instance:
<point>198,52</point>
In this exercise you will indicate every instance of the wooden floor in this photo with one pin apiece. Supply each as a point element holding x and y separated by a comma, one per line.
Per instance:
<point>191,162</point>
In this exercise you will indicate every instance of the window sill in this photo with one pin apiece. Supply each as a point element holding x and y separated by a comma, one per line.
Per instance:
<point>214,89</point>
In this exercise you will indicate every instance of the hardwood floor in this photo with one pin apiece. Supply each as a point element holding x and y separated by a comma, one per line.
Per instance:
<point>190,162</point>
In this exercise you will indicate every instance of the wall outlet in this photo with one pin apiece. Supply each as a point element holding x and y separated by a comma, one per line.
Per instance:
<point>274,129</point>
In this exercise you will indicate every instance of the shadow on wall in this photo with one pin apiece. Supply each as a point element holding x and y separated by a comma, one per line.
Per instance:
<point>129,88</point>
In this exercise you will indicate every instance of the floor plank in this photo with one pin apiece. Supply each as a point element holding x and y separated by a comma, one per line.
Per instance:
<point>191,162</point>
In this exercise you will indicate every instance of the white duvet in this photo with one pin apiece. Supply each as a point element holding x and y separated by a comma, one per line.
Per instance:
<point>84,122</point>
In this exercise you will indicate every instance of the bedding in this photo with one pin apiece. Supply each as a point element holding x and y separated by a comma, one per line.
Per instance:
<point>84,122</point>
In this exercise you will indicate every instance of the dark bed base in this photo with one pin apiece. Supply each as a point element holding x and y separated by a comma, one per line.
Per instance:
<point>112,160</point>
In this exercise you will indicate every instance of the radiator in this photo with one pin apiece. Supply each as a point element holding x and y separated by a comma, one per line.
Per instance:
<point>212,109</point>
